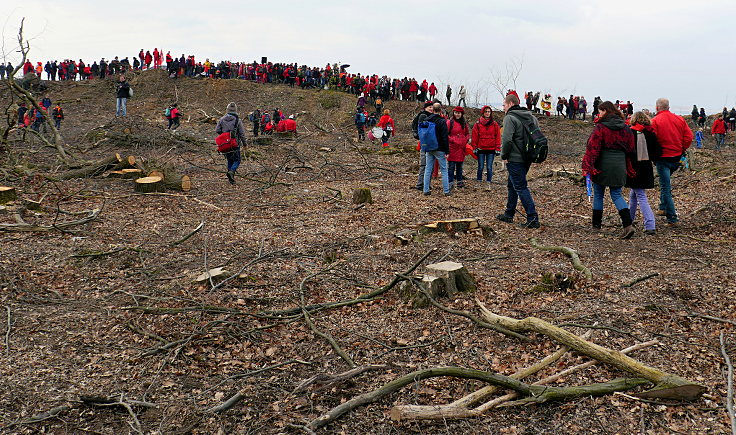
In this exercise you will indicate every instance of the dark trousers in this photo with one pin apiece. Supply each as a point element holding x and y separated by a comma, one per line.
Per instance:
<point>233,159</point>
<point>255,129</point>
<point>519,191</point>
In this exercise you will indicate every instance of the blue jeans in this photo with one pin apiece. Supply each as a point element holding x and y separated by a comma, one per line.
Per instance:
<point>441,158</point>
<point>121,108</point>
<point>485,159</point>
<point>599,192</point>
<point>518,190</point>
<point>233,159</point>
<point>455,172</point>
<point>666,203</point>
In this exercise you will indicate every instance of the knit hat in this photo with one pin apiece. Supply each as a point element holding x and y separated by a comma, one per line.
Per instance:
<point>458,109</point>
<point>232,108</point>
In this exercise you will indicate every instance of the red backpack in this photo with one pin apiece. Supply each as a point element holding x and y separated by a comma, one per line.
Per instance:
<point>228,141</point>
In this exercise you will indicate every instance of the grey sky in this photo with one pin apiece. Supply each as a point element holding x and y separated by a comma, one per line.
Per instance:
<point>623,49</point>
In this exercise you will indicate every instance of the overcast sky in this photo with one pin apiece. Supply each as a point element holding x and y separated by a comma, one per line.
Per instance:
<point>621,49</point>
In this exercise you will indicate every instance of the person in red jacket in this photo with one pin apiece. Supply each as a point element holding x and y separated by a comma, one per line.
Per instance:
<point>387,124</point>
<point>674,137</point>
<point>156,58</point>
<point>458,135</point>
<point>486,141</point>
<point>719,131</point>
<point>290,124</point>
<point>432,91</point>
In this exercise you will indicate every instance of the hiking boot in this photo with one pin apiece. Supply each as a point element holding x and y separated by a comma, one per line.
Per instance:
<point>448,193</point>
<point>231,177</point>
<point>650,232</point>
<point>530,224</point>
<point>489,187</point>
<point>626,222</point>
<point>427,193</point>
<point>505,218</point>
<point>597,219</point>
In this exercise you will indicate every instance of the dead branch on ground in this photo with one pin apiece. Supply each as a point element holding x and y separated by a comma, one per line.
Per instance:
<point>729,384</point>
<point>567,251</point>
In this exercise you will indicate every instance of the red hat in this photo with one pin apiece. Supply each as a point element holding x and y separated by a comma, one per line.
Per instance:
<point>458,109</point>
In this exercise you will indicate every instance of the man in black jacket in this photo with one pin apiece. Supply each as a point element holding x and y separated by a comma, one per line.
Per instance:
<point>123,93</point>
<point>440,154</point>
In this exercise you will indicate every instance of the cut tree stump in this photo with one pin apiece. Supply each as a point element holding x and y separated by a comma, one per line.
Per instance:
<point>131,173</point>
<point>362,195</point>
<point>7,194</point>
<point>155,173</point>
<point>181,183</point>
<point>440,280</point>
<point>148,185</point>
<point>451,226</point>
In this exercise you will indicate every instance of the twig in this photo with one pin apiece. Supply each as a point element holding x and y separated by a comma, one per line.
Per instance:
<point>185,238</point>
<point>327,381</point>
<point>640,279</point>
<point>729,387</point>
<point>715,319</point>
<point>567,251</point>
<point>51,413</point>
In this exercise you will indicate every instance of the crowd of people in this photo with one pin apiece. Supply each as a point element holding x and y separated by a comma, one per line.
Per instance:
<point>622,151</point>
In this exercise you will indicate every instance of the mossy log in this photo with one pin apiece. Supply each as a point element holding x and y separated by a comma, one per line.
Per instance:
<point>7,194</point>
<point>285,134</point>
<point>181,183</point>
<point>91,170</point>
<point>263,140</point>
<point>667,385</point>
<point>362,195</point>
<point>148,185</point>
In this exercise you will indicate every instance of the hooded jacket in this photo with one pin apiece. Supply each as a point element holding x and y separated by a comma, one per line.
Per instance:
<point>610,132</point>
<point>514,139</point>
<point>228,123</point>
<point>486,133</point>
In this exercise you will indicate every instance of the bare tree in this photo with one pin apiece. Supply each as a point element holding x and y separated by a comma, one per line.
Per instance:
<point>504,78</point>
<point>56,141</point>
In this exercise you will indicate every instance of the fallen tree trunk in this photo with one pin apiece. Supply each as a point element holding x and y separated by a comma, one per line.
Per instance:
<point>61,226</point>
<point>539,393</point>
<point>91,170</point>
<point>576,264</point>
<point>178,182</point>
<point>667,385</point>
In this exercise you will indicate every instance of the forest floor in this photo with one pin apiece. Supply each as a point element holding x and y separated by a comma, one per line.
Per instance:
<point>75,305</point>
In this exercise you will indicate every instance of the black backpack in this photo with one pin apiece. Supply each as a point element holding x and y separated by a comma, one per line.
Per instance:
<point>537,146</point>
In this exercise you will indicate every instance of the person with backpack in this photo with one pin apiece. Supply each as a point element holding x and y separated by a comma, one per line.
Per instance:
<point>647,149</point>
<point>514,146</point>
<point>231,124</point>
<point>608,161</point>
<point>387,124</point>
<point>458,135</point>
<point>123,93</point>
<point>174,116</point>
<point>379,105</point>
<point>421,116</point>
<point>434,141</point>
<point>486,141</point>
<point>57,114</point>
<point>360,120</point>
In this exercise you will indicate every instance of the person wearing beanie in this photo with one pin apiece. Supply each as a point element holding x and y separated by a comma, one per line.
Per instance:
<point>458,135</point>
<point>231,123</point>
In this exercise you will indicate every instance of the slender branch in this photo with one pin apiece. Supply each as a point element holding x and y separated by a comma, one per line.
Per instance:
<point>729,384</point>
<point>567,251</point>
<point>640,279</point>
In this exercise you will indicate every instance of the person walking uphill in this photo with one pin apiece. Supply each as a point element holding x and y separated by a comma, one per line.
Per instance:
<point>647,150</point>
<point>231,123</point>
<point>458,134</point>
<point>608,161</point>
<point>387,124</point>
<point>674,137</point>
<point>123,93</point>
<point>514,143</point>
<point>486,140</point>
